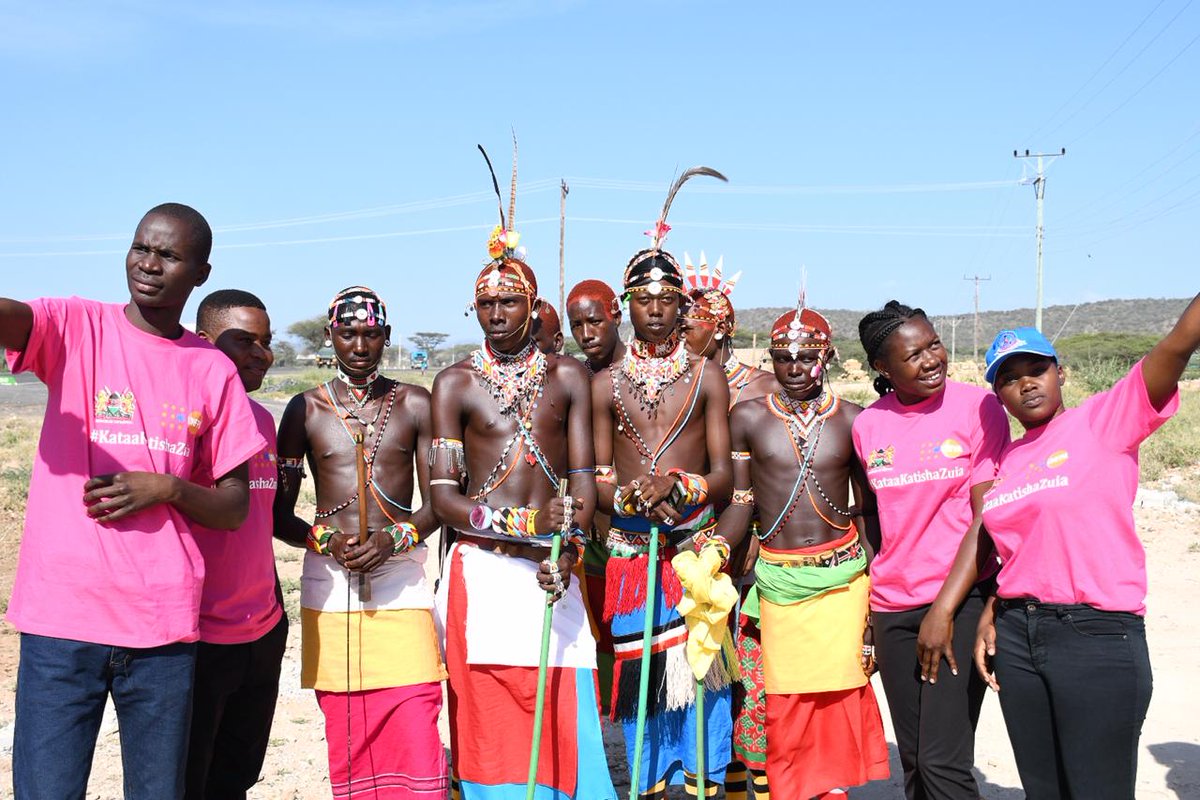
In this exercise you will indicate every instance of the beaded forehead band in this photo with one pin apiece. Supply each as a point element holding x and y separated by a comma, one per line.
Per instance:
<point>654,270</point>
<point>801,329</point>
<point>357,303</point>
<point>709,293</point>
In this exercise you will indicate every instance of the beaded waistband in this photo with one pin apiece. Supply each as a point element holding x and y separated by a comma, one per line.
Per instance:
<point>631,544</point>
<point>826,558</point>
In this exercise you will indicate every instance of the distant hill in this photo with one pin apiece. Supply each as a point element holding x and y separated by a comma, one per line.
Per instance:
<point>1151,316</point>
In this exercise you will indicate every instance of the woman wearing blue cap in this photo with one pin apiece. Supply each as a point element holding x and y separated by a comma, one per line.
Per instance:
<point>1065,634</point>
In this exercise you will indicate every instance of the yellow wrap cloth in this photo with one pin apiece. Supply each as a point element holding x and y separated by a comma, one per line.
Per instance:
<point>708,597</point>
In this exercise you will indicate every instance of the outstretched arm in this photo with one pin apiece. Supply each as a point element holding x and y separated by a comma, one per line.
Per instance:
<point>292,448</point>
<point>1169,358</point>
<point>16,323</point>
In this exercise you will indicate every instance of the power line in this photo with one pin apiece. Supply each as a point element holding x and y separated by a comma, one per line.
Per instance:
<point>1095,72</point>
<point>1120,72</point>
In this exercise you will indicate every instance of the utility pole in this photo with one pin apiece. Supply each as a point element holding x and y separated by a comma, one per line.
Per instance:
<point>562,262</point>
<point>1039,189</point>
<point>977,279</point>
<point>953,323</point>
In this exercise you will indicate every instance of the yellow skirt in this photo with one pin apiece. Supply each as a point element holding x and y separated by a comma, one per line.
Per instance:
<point>815,645</point>
<point>388,648</point>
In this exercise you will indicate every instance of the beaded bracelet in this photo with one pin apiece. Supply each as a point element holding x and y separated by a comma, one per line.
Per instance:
<point>404,537</point>
<point>605,474</point>
<point>627,508</point>
<point>318,538</point>
<point>742,497</point>
<point>515,521</point>
<point>704,541</point>
<point>694,488</point>
<point>740,455</point>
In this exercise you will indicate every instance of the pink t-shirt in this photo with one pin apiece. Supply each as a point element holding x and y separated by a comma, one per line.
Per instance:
<point>120,400</point>
<point>1061,509</point>
<point>239,603</point>
<point>921,461</point>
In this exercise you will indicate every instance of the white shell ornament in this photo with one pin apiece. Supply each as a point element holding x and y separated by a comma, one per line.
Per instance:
<point>655,287</point>
<point>656,274</point>
<point>360,313</point>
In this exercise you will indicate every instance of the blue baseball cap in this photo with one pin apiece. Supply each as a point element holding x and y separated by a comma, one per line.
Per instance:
<point>1014,342</point>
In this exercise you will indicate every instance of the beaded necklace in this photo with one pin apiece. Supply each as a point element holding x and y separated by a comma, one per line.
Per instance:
<point>516,383</point>
<point>359,389</point>
<point>737,375</point>
<point>803,414</point>
<point>649,369</point>
<point>512,380</point>
<point>801,417</point>
<point>368,456</point>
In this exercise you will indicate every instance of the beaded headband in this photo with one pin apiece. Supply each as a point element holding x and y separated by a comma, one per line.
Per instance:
<point>801,328</point>
<point>357,303</point>
<point>709,293</point>
<point>654,270</point>
<point>510,276</point>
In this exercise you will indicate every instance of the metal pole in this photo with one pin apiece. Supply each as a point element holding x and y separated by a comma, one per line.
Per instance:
<point>1039,188</point>
<point>635,769</point>
<point>562,262</point>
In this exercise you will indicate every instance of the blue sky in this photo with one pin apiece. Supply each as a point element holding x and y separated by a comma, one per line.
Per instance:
<point>332,144</point>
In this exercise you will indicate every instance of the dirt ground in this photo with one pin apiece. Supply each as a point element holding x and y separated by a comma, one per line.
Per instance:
<point>295,768</point>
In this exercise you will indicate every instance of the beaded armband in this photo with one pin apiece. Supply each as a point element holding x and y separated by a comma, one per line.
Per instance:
<point>455,460</point>
<point>606,474</point>
<point>694,488</point>
<point>318,538</point>
<point>742,497</point>
<point>707,541</point>
<point>516,521</point>
<point>740,455</point>
<point>292,463</point>
<point>404,537</point>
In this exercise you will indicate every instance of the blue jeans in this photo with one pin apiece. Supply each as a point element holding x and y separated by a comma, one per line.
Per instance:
<point>62,686</point>
<point>1075,683</point>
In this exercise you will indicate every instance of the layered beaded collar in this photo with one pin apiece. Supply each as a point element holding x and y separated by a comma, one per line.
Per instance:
<point>651,368</point>
<point>802,415</point>
<point>359,388</point>
<point>512,380</point>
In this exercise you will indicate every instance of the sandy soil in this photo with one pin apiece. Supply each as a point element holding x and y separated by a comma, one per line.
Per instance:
<point>1169,764</point>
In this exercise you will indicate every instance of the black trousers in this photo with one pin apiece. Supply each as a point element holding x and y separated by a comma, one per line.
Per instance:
<point>934,723</point>
<point>1075,684</point>
<point>233,705</point>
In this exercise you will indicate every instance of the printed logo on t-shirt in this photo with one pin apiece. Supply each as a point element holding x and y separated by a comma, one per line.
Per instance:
<point>113,406</point>
<point>264,462</point>
<point>1056,459</point>
<point>881,458</point>
<point>178,418</point>
<point>1033,479</point>
<point>947,448</point>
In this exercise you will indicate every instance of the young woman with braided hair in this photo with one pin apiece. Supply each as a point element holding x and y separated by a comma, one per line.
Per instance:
<point>929,447</point>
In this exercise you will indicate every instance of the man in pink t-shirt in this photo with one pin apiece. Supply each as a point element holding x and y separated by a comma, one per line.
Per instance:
<point>109,577</point>
<point>243,630</point>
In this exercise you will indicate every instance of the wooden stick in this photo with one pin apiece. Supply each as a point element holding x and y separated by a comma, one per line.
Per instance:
<point>360,456</point>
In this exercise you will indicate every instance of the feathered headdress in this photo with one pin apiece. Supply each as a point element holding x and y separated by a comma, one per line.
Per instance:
<point>709,292</point>
<point>504,239</point>
<point>507,270</point>
<point>654,270</point>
